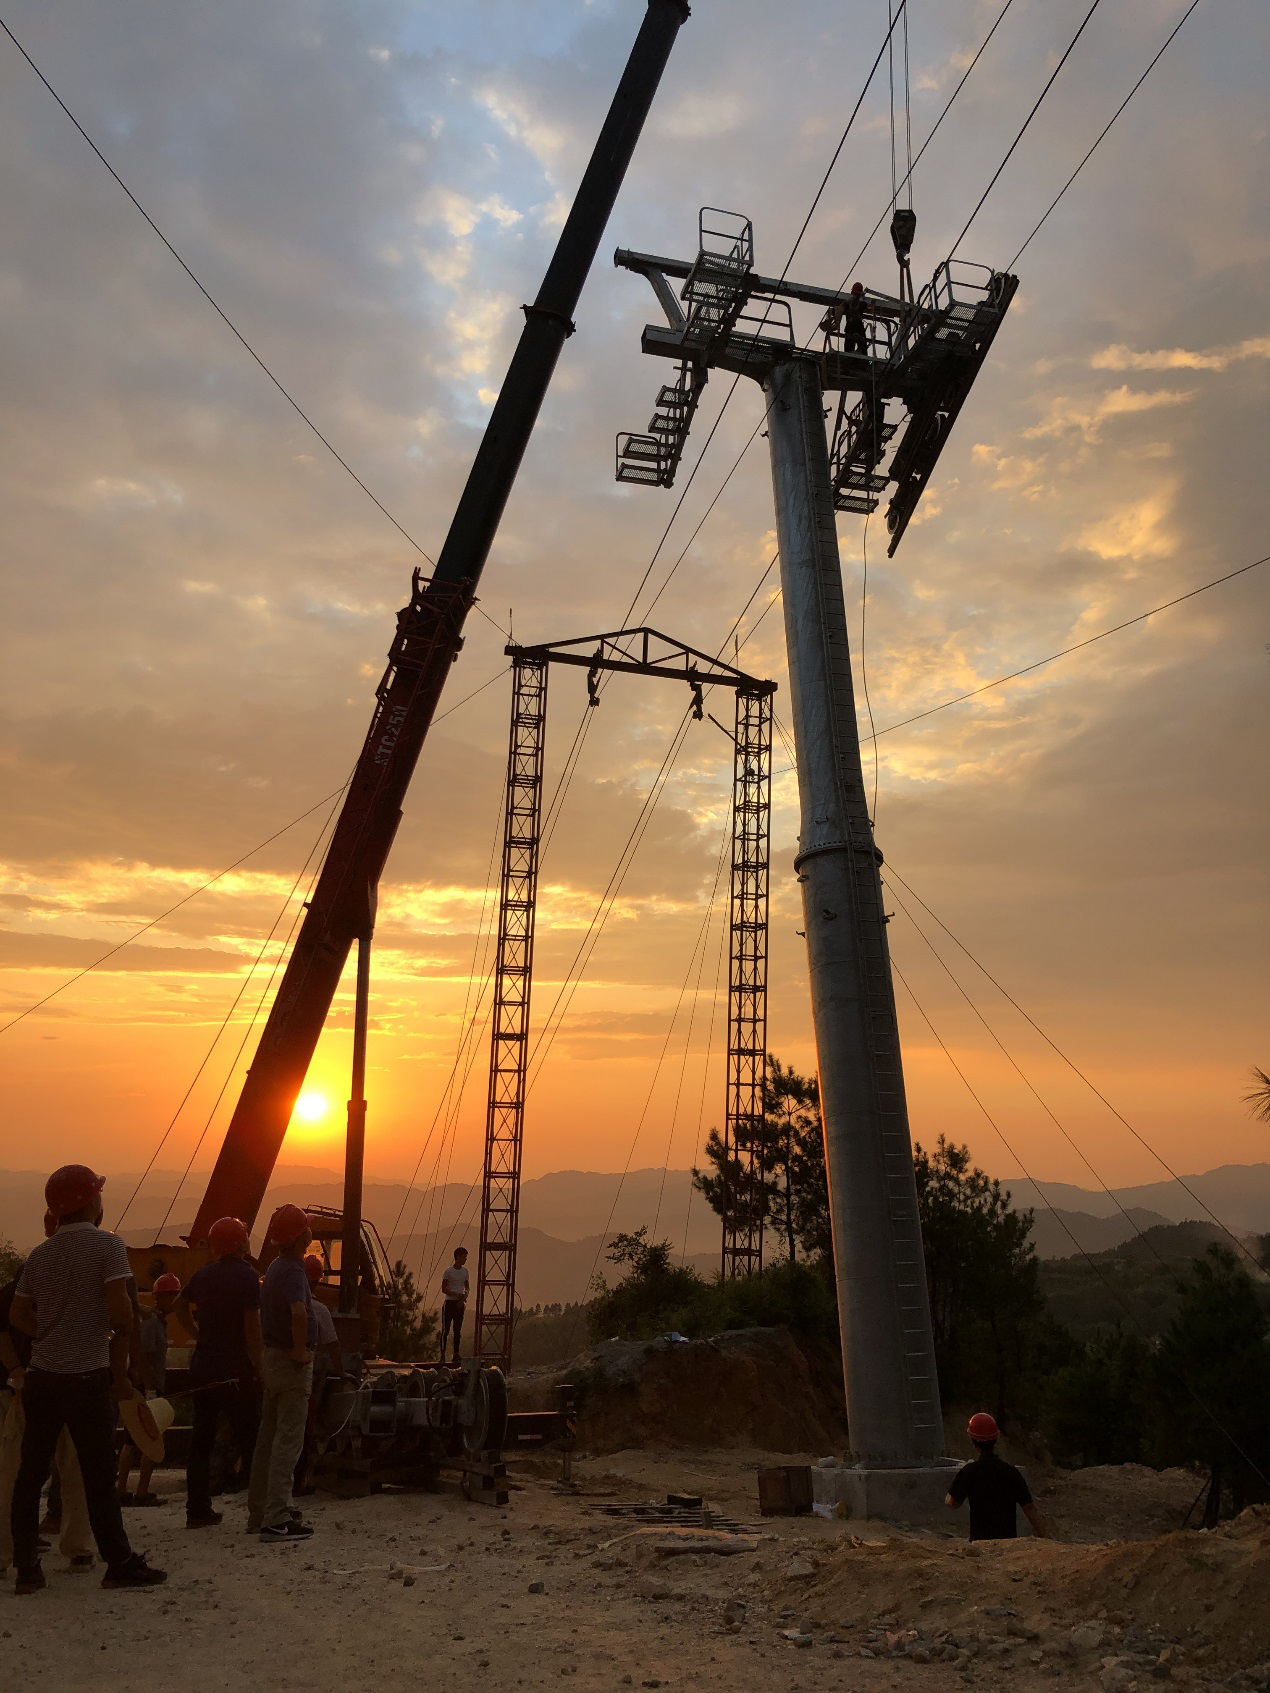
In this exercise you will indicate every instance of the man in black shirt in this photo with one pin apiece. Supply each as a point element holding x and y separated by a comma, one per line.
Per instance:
<point>993,1487</point>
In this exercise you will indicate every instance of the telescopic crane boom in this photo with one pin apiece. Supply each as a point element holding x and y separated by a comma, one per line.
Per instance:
<point>428,639</point>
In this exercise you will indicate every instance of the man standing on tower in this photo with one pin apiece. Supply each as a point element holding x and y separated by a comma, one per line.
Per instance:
<point>454,1281</point>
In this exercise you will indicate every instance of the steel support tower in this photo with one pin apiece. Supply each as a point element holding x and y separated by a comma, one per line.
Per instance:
<point>921,355</point>
<point>638,652</point>
<point>509,1032</point>
<point>744,1219</point>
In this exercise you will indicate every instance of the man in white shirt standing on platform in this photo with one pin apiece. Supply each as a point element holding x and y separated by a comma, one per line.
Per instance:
<point>453,1300</point>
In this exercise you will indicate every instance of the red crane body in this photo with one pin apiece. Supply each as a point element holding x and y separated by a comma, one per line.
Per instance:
<point>428,639</point>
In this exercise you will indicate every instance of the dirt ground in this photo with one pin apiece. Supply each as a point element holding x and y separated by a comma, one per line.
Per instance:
<point>427,1585</point>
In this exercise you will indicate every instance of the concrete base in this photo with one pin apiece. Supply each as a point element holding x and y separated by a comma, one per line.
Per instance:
<point>913,1495</point>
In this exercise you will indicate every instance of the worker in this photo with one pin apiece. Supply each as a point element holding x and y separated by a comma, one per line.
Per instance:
<point>328,1366</point>
<point>72,1300</point>
<point>72,1519</point>
<point>152,1359</point>
<point>220,1305</point>
<point>848,316</point>
<point>289,1330</point>
<point>454,1281</point>
<point>992,1486</point>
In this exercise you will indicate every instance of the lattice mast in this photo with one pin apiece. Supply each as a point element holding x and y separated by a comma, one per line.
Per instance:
<point>509,1034</point>
<point>635,652</point>
<point>743,1220</point>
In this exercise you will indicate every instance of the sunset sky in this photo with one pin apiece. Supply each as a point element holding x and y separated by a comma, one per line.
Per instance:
<point>198,598</point>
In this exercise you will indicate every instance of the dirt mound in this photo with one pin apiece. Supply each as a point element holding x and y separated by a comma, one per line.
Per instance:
<point>1200,1599</point>
<point>749,1388</point>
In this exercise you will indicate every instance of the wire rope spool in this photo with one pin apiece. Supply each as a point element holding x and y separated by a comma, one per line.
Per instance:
<point>487,1430</point>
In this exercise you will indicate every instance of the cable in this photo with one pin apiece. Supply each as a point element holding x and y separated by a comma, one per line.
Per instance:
<point>184,900</point>
<point>251,1022</point>
<point>1064,652</point>
<point>925,144</point>
<point>224,1023</point>
<point>1071,1064</point>
<point>1032,1089</point>
<point>1089,155</point>
<point>458,1051</point>
<point>1089,1259</point>
<point>699,947</point>
<point>216,307</point>
<point>1023,131</point>
<point>705,1077</point>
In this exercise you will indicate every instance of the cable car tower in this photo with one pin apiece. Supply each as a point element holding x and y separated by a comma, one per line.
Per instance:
<point>902,368</point>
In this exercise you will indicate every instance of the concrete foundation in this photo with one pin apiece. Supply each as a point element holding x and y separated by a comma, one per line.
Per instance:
<point>911,1493</point>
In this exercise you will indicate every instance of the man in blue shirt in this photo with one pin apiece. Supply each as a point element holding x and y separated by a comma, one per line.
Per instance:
<point>221,1307</point>
<point>289,1330</point>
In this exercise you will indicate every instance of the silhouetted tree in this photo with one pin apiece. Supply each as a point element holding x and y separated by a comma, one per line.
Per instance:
<point>1213,1382</point>
<point>790,1193</point>
<point>1257,1098</point>
<point>994,1337</point>
<point>407,1331</point>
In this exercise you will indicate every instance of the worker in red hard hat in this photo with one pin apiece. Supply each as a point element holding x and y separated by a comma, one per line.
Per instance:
<point>993,1487</point>
<point>72,1300</point>
<point>847,316</point>
<point>289,1331</point>
<point>220,1306</point>
<point>152,1358</point>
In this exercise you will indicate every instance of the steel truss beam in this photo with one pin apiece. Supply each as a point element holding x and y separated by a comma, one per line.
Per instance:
<point>640,652</point>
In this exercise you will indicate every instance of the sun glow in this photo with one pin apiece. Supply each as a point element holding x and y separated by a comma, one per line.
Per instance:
<point>311,1106</point>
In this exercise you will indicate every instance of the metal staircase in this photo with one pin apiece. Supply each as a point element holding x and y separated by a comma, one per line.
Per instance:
<point>859,444</point>
<point>715,293</point>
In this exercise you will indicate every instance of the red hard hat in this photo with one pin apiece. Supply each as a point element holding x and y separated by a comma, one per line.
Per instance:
<point>50,1225</point>
<point>227,1235</point>
<point>983,1426</point>
<point>314,1269</point>
<point>857,288</point>
<point>288,1223</point>
<point>72,1188</point>
<point>166,1283</point>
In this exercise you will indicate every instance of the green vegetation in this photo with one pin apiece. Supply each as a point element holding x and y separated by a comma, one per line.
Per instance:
<point>1196,1397</point>
<point>792,1197</point>
<point>548,1334</point>
<point>10,1259</point>
<point>1042,1344</point>
<point>408,1331</point>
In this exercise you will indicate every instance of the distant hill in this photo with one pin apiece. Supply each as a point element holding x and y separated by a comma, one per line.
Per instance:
<point>1062,1234</point>
<point>1237,1193</point>
<point>1134,1285</point>
<point>569,1214</point>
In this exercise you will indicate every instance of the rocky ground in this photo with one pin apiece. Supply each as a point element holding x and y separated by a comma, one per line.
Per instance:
<point>428,1586</point>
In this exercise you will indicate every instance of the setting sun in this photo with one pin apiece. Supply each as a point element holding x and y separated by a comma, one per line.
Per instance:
<point>310,1106</point>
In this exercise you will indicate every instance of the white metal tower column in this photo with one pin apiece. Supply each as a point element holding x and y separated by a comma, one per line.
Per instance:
<point>887,1344</point>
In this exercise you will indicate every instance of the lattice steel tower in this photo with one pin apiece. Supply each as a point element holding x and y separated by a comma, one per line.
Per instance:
<point>634,652</point>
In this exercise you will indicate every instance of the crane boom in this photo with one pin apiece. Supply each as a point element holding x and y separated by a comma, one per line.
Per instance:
<point>428,639</point>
